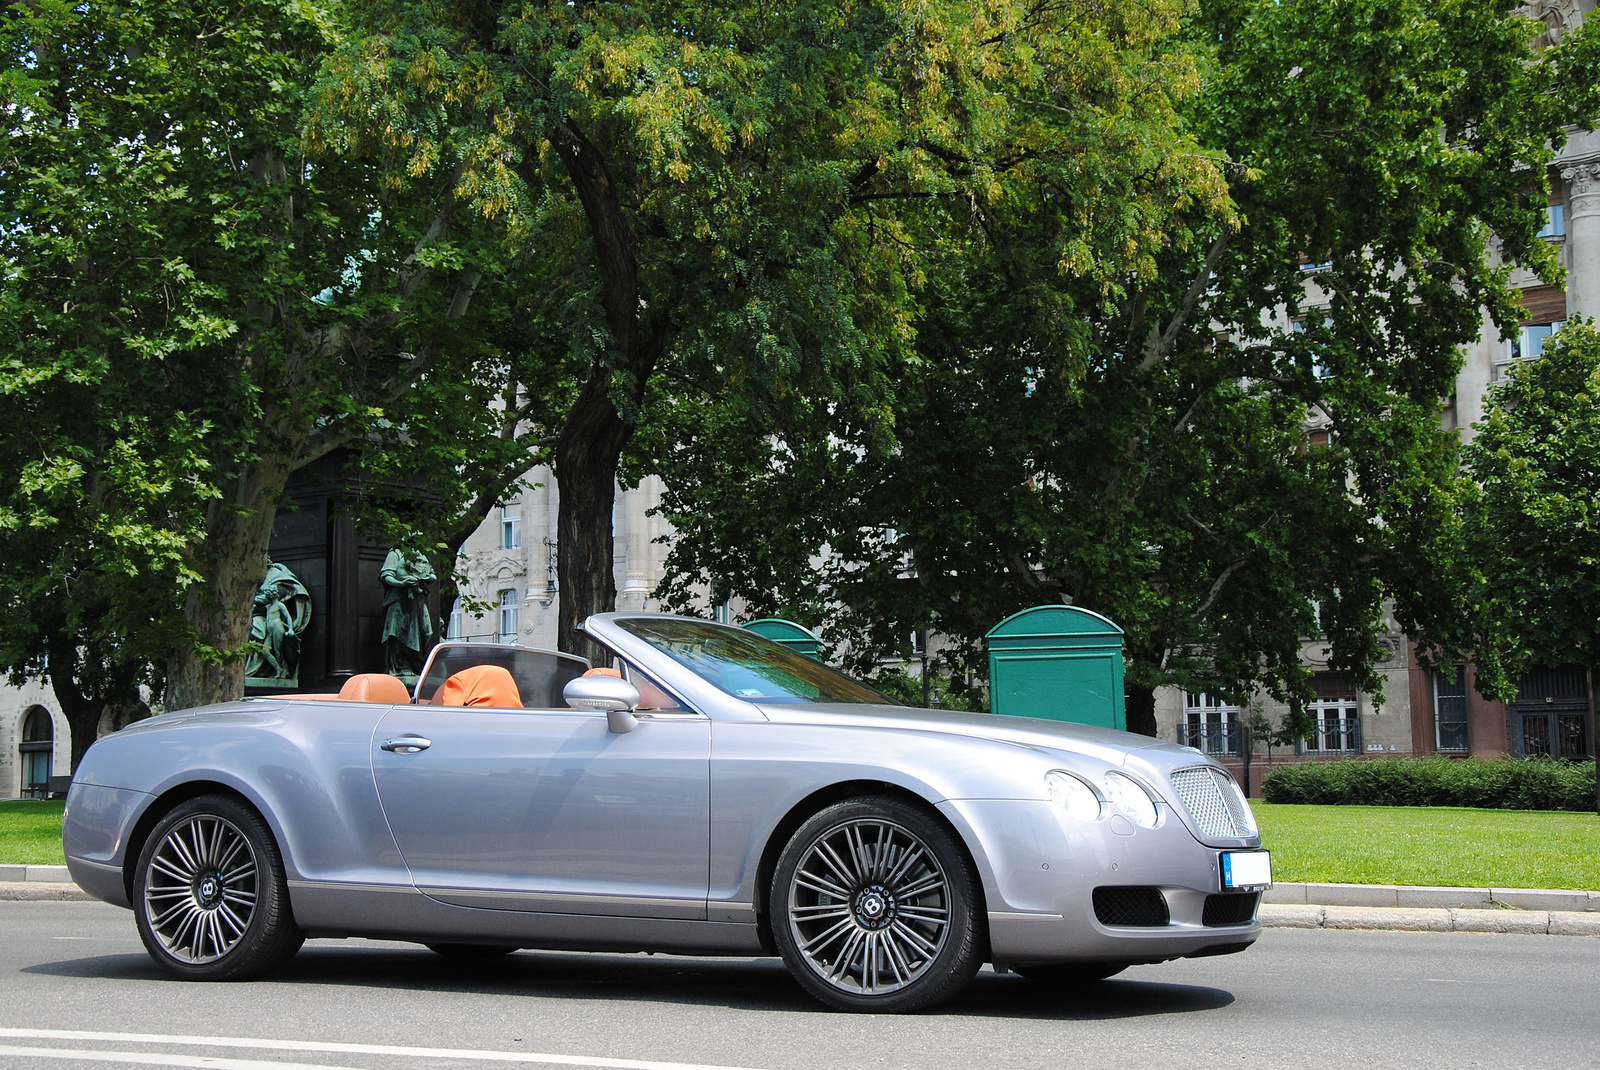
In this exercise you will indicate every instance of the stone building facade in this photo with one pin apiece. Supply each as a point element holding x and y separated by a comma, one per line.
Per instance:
<point>34,741</point>
<point>508,566</point>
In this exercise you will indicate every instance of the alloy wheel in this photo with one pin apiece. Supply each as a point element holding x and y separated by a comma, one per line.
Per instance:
<point>200,889</point>
<point>869,906</point>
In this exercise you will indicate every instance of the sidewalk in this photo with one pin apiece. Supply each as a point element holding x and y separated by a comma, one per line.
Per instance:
<point>1402,908</point>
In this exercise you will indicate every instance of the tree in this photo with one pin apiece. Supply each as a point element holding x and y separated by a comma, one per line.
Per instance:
<point>1145,452</point>
<point>1533,525</point>
<point>714,196</point>
<point>192,308</point>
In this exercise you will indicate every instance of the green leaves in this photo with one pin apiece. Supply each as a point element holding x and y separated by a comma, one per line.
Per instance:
<point>1533,523</point>
<point>1112,391</point>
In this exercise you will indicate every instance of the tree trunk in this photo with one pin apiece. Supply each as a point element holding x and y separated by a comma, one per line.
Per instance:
<point>1141,709</point>
<point>239,532</point>
<point>595,432</point>
<point>586,472</point>
<point>81,711</point>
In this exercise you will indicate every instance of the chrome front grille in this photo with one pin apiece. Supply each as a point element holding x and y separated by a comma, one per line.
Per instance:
<point>1214,801</point>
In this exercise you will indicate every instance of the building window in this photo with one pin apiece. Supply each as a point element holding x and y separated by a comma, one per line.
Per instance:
<point>1549,716</point>
<point>38,742</point>
<point>1529,342</point>
<point>510,616</point>
<point>1319,365</point>
<point>457,625</point>
<point>510,527</point>
<point>1335,726</point>
<point>1211,725</point>
<point>1450,712</point>
<point>1555,222</point>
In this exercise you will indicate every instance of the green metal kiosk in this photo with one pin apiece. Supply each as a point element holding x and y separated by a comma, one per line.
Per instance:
<point>1058,662</point>
<point>787,633</point>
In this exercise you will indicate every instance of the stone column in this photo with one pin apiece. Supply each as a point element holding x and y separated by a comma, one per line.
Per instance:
<point>1583,237</point>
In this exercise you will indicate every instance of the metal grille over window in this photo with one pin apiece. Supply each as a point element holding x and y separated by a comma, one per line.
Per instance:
<point>1336,726</point>
<point>1214,801</point>
<point>1450,711</point>
<point>1211,725</point>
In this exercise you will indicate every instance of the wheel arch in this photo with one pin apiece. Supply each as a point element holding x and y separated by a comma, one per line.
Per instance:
<point>820,800</point>
<point>171,799</point>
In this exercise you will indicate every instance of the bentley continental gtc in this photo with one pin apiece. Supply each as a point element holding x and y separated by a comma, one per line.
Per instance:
<point>712,794</point>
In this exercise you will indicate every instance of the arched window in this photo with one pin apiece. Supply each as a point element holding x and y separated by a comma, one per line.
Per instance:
<point>38,740</point>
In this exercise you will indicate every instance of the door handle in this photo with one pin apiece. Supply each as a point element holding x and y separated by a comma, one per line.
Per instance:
<point>406,744</point>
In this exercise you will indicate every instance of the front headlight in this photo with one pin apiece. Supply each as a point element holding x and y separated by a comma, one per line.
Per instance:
<point>1073,795</point>
<point>1129,799</point>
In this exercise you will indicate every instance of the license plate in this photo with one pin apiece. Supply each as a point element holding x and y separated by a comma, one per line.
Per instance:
<point>1246,869</point>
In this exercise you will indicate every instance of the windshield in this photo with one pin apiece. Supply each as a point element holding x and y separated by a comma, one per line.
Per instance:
<point>746,665</point>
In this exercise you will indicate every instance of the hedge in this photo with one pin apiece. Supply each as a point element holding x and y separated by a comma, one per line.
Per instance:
<point>1497,784</point>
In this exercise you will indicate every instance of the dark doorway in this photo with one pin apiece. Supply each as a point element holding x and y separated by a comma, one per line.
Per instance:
<point>38,743</point>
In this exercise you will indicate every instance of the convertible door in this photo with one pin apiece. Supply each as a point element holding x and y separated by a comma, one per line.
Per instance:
<point>548,810</point>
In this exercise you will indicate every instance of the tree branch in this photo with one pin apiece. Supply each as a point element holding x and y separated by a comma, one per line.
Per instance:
<point>1216,588</point>
<point>1160,343</point>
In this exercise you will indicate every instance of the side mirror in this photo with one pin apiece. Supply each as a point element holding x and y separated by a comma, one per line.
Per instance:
<point>617,697</point>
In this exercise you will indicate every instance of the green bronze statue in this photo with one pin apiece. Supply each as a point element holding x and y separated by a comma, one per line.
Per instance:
<point>279,620</point>
<point>407,626</point>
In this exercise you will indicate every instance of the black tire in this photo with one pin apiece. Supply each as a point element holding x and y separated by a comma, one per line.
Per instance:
<point>1069,974</point>
<point>210,897</point>
<point>897,927</point>
<point>470,951</point>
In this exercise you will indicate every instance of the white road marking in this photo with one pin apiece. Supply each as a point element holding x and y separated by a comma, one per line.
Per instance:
<point>263,1044</point>
<point>148,1058</point>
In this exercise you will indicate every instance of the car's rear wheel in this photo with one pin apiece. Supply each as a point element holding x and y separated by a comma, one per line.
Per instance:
<point>1071,973</point>
<point>210,897</point>
<point>875,907</point>
<point>470,951</point>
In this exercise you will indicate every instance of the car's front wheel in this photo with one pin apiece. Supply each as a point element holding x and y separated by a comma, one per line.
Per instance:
<point>210,896</point>
<point>875,907</point>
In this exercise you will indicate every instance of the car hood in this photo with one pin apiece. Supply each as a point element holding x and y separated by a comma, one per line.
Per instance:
<point>1107,744</point>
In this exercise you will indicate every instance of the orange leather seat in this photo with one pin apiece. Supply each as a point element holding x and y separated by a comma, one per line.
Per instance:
<point>481,685</point>
<point>374,687</point>
<point>602,671</point>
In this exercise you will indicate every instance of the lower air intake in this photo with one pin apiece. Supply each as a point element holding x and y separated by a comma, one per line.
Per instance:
<point>1131,907</point>
<point>1228,908</point>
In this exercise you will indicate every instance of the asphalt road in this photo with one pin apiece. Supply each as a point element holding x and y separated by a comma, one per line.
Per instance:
<point>77,990</point>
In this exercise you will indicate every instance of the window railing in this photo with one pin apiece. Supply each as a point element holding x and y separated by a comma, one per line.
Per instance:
<point>1334,735</point>
<point>1451,736</point>
<point>1221,740</point>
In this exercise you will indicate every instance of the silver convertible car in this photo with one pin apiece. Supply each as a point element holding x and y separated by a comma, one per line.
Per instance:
<point>714,794</point>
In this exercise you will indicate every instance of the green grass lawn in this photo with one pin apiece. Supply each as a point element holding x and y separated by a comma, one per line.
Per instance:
<point>1342,844</point>
<point>30,833</point>
<point>1442,845</point>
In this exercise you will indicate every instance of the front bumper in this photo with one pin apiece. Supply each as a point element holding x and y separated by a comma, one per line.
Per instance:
<point>1040,871</point>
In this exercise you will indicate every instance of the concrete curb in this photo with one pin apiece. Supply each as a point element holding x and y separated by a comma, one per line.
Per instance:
<point>51,874</point>
<point>1404,896</point>
<point>1432,919</point>
<point>42,891</point>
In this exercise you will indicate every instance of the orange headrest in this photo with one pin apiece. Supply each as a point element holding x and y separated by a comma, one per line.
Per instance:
<point>604,672</point>
<point>374,687</point>
<point>481,685</point>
